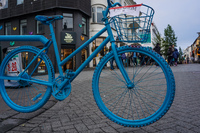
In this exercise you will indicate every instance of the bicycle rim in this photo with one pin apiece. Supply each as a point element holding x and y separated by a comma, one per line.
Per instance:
<point>147,101</point>
<point>24,95</point>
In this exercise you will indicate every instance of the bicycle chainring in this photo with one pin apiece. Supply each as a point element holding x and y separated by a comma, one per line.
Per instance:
<point>61,94</point>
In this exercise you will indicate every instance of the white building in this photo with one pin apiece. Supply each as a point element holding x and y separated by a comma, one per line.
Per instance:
<point>153,34</point>
<point>96,25</point>
<point>188,52</point>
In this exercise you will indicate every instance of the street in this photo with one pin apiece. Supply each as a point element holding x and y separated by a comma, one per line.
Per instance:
<point>79,112</point>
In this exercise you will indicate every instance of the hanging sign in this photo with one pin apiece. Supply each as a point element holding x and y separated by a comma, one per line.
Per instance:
<point>133,10</point>
<point>68,37</point>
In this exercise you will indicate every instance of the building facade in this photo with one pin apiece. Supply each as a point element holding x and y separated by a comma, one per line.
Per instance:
<point>193,49</point>
<point>17,17</point>
<point>97,6</point>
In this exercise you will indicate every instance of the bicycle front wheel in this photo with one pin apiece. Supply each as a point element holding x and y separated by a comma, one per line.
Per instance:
<point>21,74</point>
<point>144,103</point>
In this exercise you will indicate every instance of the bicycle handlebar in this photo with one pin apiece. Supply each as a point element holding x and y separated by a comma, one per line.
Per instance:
<point>109,6</point>
<point>109,3</point>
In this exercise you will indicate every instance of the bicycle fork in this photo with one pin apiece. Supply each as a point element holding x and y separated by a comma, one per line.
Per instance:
<point>129,84</point>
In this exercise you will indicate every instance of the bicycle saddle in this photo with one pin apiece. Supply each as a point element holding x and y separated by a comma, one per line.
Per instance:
<point>48,19</point>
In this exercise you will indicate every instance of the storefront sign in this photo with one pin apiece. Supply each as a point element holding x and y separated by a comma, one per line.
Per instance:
<point>68,38</point>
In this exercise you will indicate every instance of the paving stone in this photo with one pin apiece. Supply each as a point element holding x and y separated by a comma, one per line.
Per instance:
<point>108,129</point>
<point>8,124</point>
<point>28,115</point>
<point>167,131</point>
<point>8,114</point>
<point>71,131</point>
<point>182,129</point>
<point>80,127</point>
<point>80,114</point>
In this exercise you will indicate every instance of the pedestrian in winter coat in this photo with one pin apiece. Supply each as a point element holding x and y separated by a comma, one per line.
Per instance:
<point>175,56</point>
<point>170,57</point>
<point>157,48</point>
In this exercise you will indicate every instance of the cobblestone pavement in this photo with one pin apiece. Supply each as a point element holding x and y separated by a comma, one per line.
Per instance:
<point>79,112</point>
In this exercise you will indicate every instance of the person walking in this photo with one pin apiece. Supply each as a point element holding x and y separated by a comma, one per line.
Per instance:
<point>157,50</point>
<point>175,56</point>
<point>134,58</point>
<point>170,57</point>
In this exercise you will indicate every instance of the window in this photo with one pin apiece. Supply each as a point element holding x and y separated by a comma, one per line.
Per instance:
<point>40,28</point>
<point>84,26</point>
<point>23,27</point>
<point>93,14</point>
<point>8,28</point>
<point>3,4</point>
<point>103,52</point>
<point>68,21</point>
<point>20,2</point>
<point>97,14</point>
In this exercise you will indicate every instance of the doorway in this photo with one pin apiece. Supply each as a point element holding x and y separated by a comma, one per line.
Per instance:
<point>71,63</point>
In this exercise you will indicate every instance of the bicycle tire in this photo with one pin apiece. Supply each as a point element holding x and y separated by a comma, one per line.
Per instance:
<point>147,102</point>
<point>22,95</point>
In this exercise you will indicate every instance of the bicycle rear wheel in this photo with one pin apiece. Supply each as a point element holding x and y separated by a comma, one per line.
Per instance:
<point>143,104</point>
<point>21,94</point>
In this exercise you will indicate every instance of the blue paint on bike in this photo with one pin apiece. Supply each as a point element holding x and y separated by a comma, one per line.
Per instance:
<point>38,96</point>
<point>37,89</point>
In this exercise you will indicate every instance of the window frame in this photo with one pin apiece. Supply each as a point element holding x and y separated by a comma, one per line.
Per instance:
<point>95,14</point>
<point>63,23</point>
<point>23,24</point>
<point>5,6</point>
<point>38,29</point>
<point>7,24</point>
<point>84,27</point>
<point>19,2</point>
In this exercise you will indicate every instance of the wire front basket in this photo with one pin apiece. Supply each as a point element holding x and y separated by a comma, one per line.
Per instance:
<point>133,29</point>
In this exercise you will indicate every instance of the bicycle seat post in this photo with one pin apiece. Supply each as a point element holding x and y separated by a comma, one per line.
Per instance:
<point>55,48</point>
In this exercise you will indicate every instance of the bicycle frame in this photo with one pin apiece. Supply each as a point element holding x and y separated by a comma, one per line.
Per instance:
<point>60,63</point>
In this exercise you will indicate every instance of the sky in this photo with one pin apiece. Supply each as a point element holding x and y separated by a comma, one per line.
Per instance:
<point>182,15</point>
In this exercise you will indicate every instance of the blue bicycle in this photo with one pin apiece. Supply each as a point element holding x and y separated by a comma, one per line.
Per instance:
<point>131,94</point>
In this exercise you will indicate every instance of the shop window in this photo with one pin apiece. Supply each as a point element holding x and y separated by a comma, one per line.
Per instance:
<point>26,57</point>
<point>8,28</point>
<point>83,55</point>
<point>84,26</point>
<point>103,52</point>
<point>68,21</point>
<point>97,14</point>
<point>40,28</point>
<point>20,2</point>
<point>3,4</point>
<point>23,27</point>
<point>41,67</point>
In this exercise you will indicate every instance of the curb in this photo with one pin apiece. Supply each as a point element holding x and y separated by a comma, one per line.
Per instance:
<point>11,119</point>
